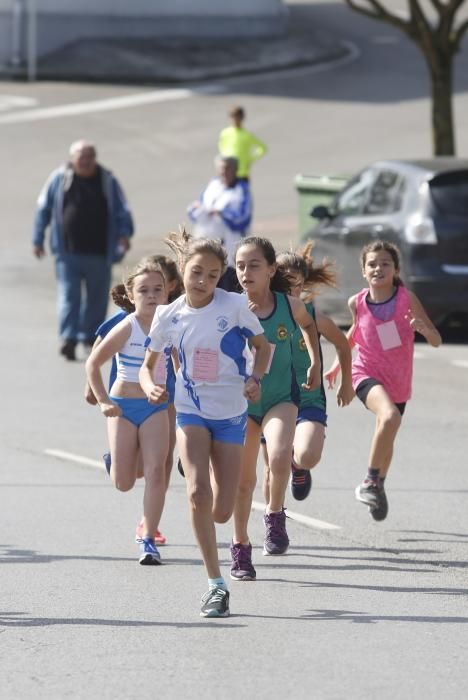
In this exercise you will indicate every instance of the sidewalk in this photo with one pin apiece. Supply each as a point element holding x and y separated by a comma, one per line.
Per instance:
<point>152,61</point>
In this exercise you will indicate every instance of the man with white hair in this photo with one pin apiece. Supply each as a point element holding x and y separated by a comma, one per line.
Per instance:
<point>224,212</point>
<point>90,227</point>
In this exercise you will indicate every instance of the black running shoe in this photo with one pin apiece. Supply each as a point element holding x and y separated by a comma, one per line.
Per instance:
<point>368,492</point>
<point>180,468</point>
<point>68,349</point>
<point>380,512</point>
<point>276,538</point>
<point>215,603</point>
<point>242,568</point>
<point>301,482</point>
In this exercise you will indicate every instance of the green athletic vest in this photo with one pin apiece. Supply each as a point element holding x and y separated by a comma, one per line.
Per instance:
<point>301,363</point>
<point>278,385</point>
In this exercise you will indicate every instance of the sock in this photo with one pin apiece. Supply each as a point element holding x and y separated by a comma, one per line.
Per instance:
<point>217,583</point>
<point>372,474</point>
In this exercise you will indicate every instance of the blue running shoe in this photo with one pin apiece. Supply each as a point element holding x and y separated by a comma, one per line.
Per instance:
<point>107,462</point>
<point>149,555</point>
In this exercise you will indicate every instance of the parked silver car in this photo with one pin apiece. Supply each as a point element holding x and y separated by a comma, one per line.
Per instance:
<point>422,206</point>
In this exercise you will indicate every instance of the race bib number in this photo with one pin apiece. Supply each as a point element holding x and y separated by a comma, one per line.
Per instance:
<point>205,365</point>
<point>388,335</point>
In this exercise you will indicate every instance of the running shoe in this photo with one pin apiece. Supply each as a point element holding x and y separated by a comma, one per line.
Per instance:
<point>158,537</point>
<point>241,567</point>
<point>301,482</point>
<point>149,554</point>
<point>107,462</point>
<point>215,603</point>
<point>180,468</point>
<point>276,538</point>
<point>380,511</point>
<point>68,349</point>
<point>368,492</point>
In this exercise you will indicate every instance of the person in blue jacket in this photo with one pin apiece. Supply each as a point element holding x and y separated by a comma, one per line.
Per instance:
<point>90,229</point>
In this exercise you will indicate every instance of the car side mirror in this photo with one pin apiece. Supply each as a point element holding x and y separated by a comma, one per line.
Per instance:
<point>320,212</point>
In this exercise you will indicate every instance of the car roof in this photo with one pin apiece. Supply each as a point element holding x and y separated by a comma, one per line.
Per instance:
<point>430,166</point>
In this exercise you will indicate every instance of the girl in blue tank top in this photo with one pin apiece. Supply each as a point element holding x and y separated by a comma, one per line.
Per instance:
<point>136,429</point>
<point>120,298</point>
<point>275,414</point>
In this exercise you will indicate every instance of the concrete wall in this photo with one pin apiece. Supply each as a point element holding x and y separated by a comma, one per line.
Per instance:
<point>62,21</point>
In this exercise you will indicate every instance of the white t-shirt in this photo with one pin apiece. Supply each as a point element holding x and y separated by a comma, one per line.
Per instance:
<point>211,345</point>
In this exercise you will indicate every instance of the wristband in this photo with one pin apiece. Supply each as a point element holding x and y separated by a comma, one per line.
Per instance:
<point>255,378</point>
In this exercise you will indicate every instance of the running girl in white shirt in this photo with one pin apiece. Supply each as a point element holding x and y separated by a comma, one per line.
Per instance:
<point>133,424</point>
<point>209,328</point>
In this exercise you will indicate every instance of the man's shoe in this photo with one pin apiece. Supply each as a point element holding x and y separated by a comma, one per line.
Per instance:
<point>368,492</point>
<point>380,512</point>
<point>276,538</point>
<point>149,554</point>
<point>301,482</point>
<point>68,349</point>
<point>158,537</point>
<point>215,603</point>
<point>241,567</point>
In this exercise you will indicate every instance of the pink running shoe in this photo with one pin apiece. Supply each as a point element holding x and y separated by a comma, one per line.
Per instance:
<point>158,537</point>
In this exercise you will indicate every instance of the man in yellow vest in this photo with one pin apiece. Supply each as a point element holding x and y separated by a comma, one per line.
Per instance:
<point>239,143</point>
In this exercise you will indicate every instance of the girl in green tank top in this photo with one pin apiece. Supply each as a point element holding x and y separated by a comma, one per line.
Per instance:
<point>311,421</point>
<point>275,413</point>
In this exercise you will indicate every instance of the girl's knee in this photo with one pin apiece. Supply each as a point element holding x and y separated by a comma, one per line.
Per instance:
<point>247,485</point>
<point>124,483</point>
<point>307,459</point>
<point>200,497</point>
<point>221,514</point>
<point>391,418</point>
<point>280,458</point>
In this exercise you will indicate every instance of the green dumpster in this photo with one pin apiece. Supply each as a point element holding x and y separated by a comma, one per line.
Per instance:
<point>313,190</point>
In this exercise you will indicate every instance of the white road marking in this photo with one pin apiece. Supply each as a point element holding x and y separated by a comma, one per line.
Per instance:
<point>154,96</point>
<point>70,457</point>
<point>298,517</point>
<point>460,363</point>
<point>8,102</point>
<point>121,102</point>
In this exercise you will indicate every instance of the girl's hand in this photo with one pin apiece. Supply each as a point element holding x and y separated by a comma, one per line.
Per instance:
<point>158,394</point>
<point>89,395</point>
<point>417,324</point>
<point>345,394</point>
<point>314,377</point>
<point>110,410</point>
<point>252,390</point>
<point>331,376</point>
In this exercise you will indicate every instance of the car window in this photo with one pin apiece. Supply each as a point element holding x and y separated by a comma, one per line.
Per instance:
<point>450,192</point>
<point>352,200</point>
<point>386,193</point>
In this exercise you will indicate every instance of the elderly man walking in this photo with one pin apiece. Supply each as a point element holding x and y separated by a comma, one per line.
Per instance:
<point>224,211</point>
<point>90,227</point>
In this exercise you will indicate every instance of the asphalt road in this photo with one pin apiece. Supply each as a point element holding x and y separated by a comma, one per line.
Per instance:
<point>356,609</point>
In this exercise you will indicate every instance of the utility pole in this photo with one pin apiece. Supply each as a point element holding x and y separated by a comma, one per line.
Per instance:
<point>32,41</point>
